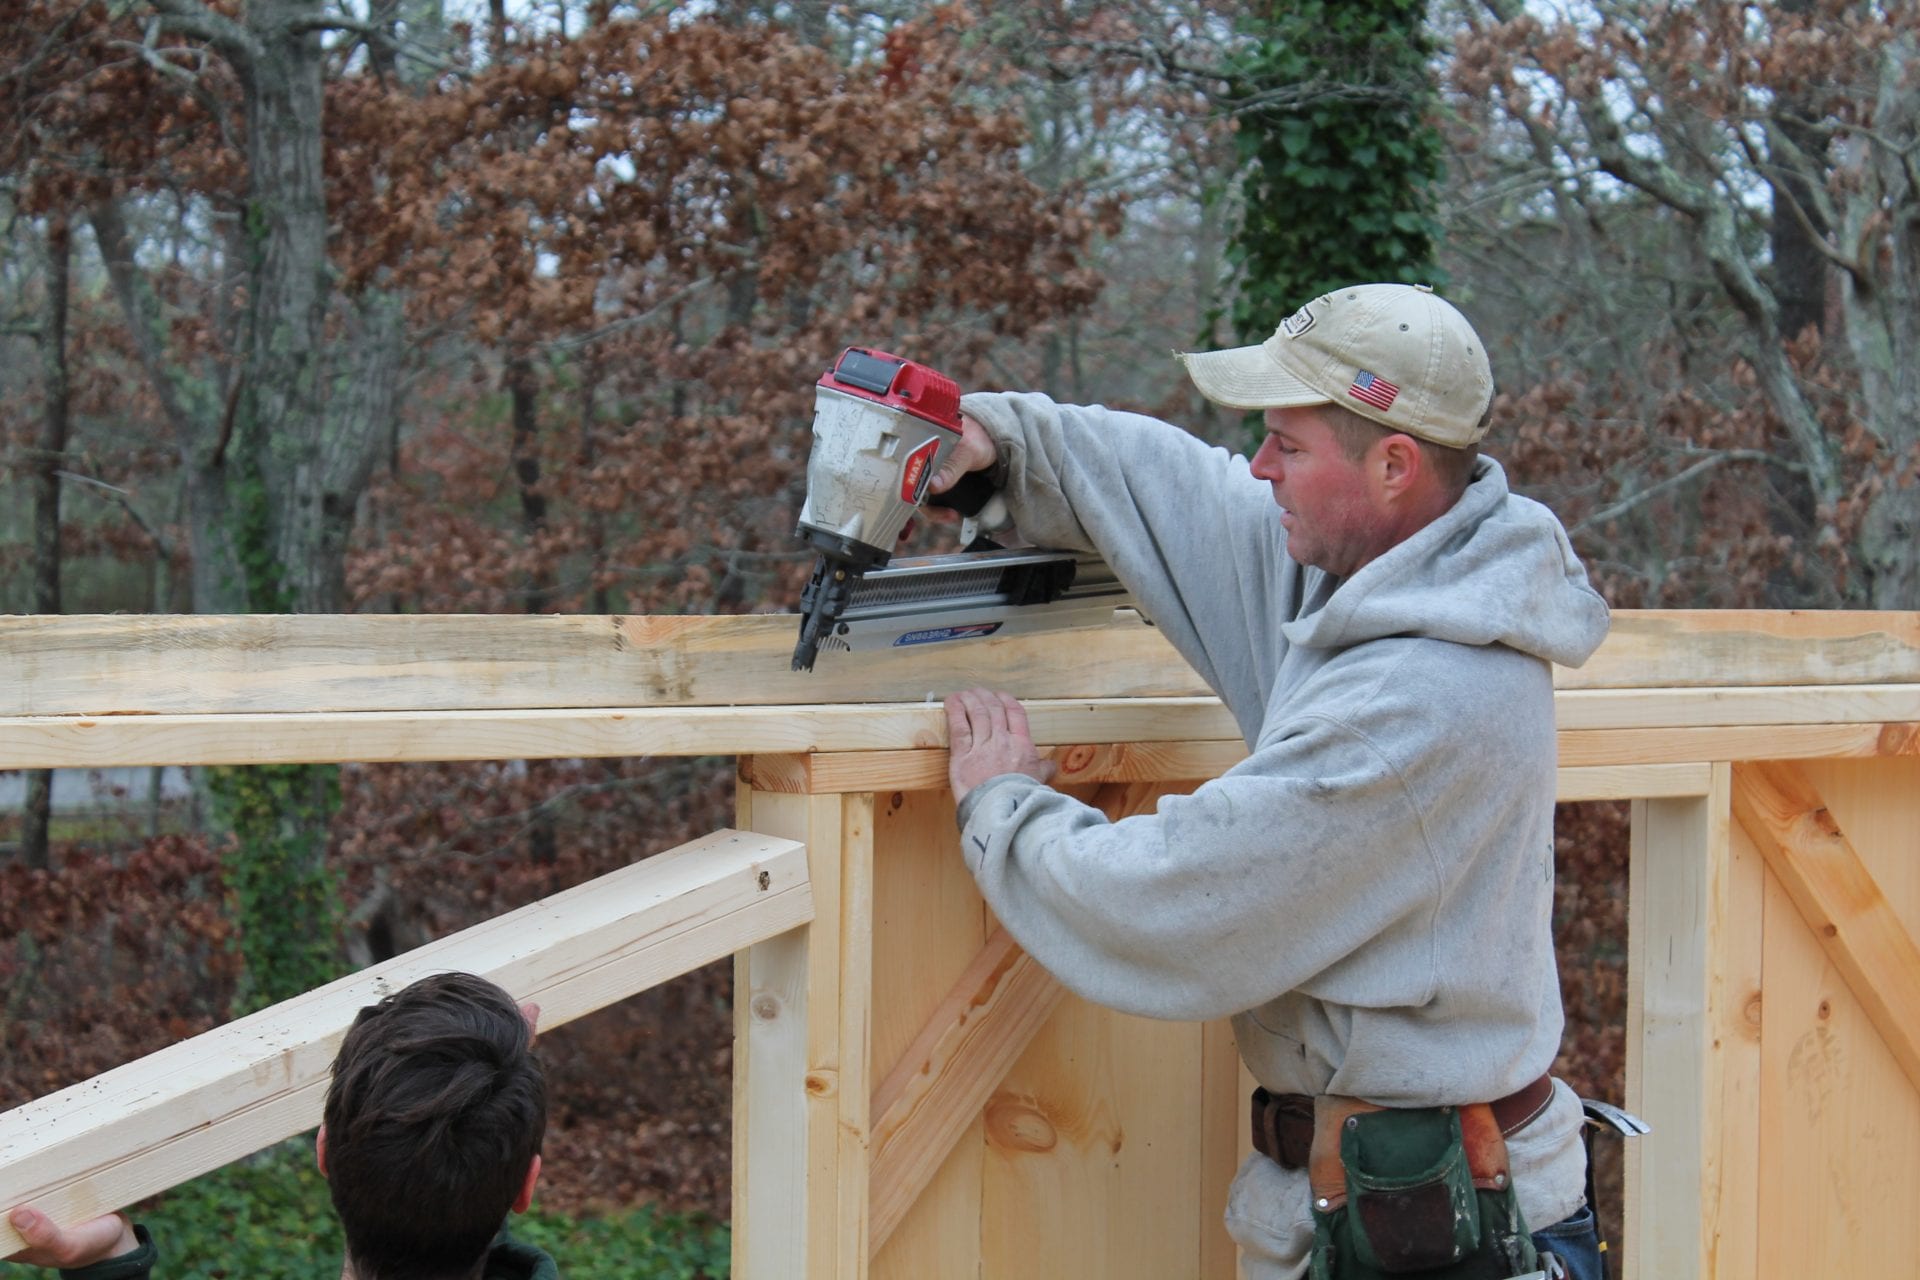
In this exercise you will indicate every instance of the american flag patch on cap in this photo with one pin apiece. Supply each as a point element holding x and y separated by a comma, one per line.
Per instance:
<point>1375,391</point>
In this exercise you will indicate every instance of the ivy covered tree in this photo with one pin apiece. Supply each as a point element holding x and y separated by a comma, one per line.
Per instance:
<point>1334,107</point>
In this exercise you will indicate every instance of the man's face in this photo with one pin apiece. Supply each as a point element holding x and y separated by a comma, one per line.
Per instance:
<point>1327,503</point>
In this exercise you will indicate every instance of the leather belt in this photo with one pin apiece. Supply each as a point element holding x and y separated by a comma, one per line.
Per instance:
<point>1283,1122</point>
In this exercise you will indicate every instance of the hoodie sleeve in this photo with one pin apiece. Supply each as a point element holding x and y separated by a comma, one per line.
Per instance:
<point>1252,886</point>
<point>1184,524</point>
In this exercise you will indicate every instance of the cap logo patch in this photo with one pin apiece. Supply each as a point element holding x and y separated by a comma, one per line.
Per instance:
<point>1297,323</point>
<point>1371,389</point>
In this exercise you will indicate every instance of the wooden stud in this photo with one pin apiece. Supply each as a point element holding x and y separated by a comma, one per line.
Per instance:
<point>201,1103</point>
<point>1692,1039</point>
<point>1839,899</point>
<point>929,925</point>
<point>813,993</point>
<point>937,1089</point>
<point>1223,1130</point>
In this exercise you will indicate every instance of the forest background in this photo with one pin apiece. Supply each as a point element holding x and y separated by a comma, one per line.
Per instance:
<point>423,306</point>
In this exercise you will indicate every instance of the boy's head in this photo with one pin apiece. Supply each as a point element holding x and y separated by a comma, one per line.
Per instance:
<point>432,1127</point>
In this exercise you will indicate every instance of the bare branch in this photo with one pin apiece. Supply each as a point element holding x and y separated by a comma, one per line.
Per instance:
<point>1783,196</point>
<point>1648,494</point>
<point>124,500</point>
<point>191,18</point>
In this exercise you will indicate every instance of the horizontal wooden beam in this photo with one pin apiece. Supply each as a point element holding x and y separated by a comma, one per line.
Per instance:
<point>1839,899</point>
<point>1722,724</point>
<point>946,1076</point>
<point>167,664</point>
<point>196,1105</point>
<point>372,736</point>
<point>926,769</point>
<point>1660,648</point>
<point>1632,781</point>
<point>126,665</point>
<point>1595,747</point>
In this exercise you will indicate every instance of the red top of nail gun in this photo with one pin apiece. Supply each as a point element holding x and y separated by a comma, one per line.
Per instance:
<point>898,383</point>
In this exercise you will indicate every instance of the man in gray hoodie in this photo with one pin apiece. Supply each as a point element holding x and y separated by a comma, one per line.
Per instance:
<point>1369,894</point>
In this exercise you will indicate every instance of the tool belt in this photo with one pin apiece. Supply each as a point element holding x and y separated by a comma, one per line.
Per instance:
<point>1421,1191</point>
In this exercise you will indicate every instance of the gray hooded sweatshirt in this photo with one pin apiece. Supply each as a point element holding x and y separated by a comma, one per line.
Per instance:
<point>1369,894</point>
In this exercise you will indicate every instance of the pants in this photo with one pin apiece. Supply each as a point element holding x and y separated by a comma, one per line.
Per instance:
<point>1575,1240</point>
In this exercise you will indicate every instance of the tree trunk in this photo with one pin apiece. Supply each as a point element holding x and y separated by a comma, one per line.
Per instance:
<point>1799,268</point>
<point>523,389</point>
<point>1883,329</point>
<point>49,455</point>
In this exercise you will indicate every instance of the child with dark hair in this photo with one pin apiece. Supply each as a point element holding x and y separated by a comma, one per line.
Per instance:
<point>430,1137</point>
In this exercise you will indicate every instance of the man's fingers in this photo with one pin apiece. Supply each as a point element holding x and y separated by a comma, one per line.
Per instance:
<point>959,724</point>
<point>1016,716</point>
<point>34,1227</point>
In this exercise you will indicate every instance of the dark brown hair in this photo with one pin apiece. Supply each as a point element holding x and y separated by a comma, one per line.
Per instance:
<point>1357,433</point>
<point>435,1112</point>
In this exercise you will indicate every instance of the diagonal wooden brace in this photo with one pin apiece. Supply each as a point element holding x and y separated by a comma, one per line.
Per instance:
<point>1839,898</point>
<point>944,1079</point>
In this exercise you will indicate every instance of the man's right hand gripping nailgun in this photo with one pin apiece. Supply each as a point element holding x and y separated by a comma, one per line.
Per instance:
<point>883,429</point>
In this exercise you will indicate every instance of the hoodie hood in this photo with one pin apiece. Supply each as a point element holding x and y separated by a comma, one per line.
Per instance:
<point>1497,568</point>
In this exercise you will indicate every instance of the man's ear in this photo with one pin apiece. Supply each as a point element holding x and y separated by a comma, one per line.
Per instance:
<point>320,1149</point>
<point>525,1198</point>
<point>1399,464</point>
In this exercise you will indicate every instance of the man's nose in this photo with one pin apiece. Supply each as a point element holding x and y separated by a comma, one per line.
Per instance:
<point>1266,462</point>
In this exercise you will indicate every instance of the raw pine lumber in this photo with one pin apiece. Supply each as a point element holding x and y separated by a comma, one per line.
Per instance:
<point>95,742</point>
<point>1584,748</point>
<point>194,1106</point>
<point>936,1091</point>
<point>1693,1039</point>
<point>1839,899</point>
<point>926,769</point>
<point>1711,723</point>
<point>140,665</point>
<point>1679,648</point>
<point>153,664</point>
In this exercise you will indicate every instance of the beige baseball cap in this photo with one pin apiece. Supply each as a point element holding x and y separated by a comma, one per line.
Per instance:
<point>1395,353</point>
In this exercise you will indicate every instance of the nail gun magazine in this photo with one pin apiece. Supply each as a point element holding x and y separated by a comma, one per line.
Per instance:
<point>883,426</point>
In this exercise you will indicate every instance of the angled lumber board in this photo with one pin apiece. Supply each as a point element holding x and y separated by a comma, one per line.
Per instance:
<point>1678,648</point>
<point>1837,895</point>
<point>98,665</point>
<point>937,1089</point>
<point>155,1122</point>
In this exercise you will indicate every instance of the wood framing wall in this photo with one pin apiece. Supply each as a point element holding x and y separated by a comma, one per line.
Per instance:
<point>914,1097</point>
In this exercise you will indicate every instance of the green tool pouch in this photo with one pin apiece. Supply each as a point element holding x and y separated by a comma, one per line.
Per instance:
<point>1410,1200</point>
<point>1415,1194</point>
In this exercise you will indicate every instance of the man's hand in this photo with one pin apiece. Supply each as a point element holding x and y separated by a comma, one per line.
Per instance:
<point>975,452</point>
<point>80,1245</point>
<point>987,736</point>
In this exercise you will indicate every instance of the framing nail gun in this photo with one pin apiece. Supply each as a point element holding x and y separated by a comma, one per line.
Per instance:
<point>883,427</point>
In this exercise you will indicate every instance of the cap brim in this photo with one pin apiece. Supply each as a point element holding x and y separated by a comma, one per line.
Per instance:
<point>1247,378</point>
